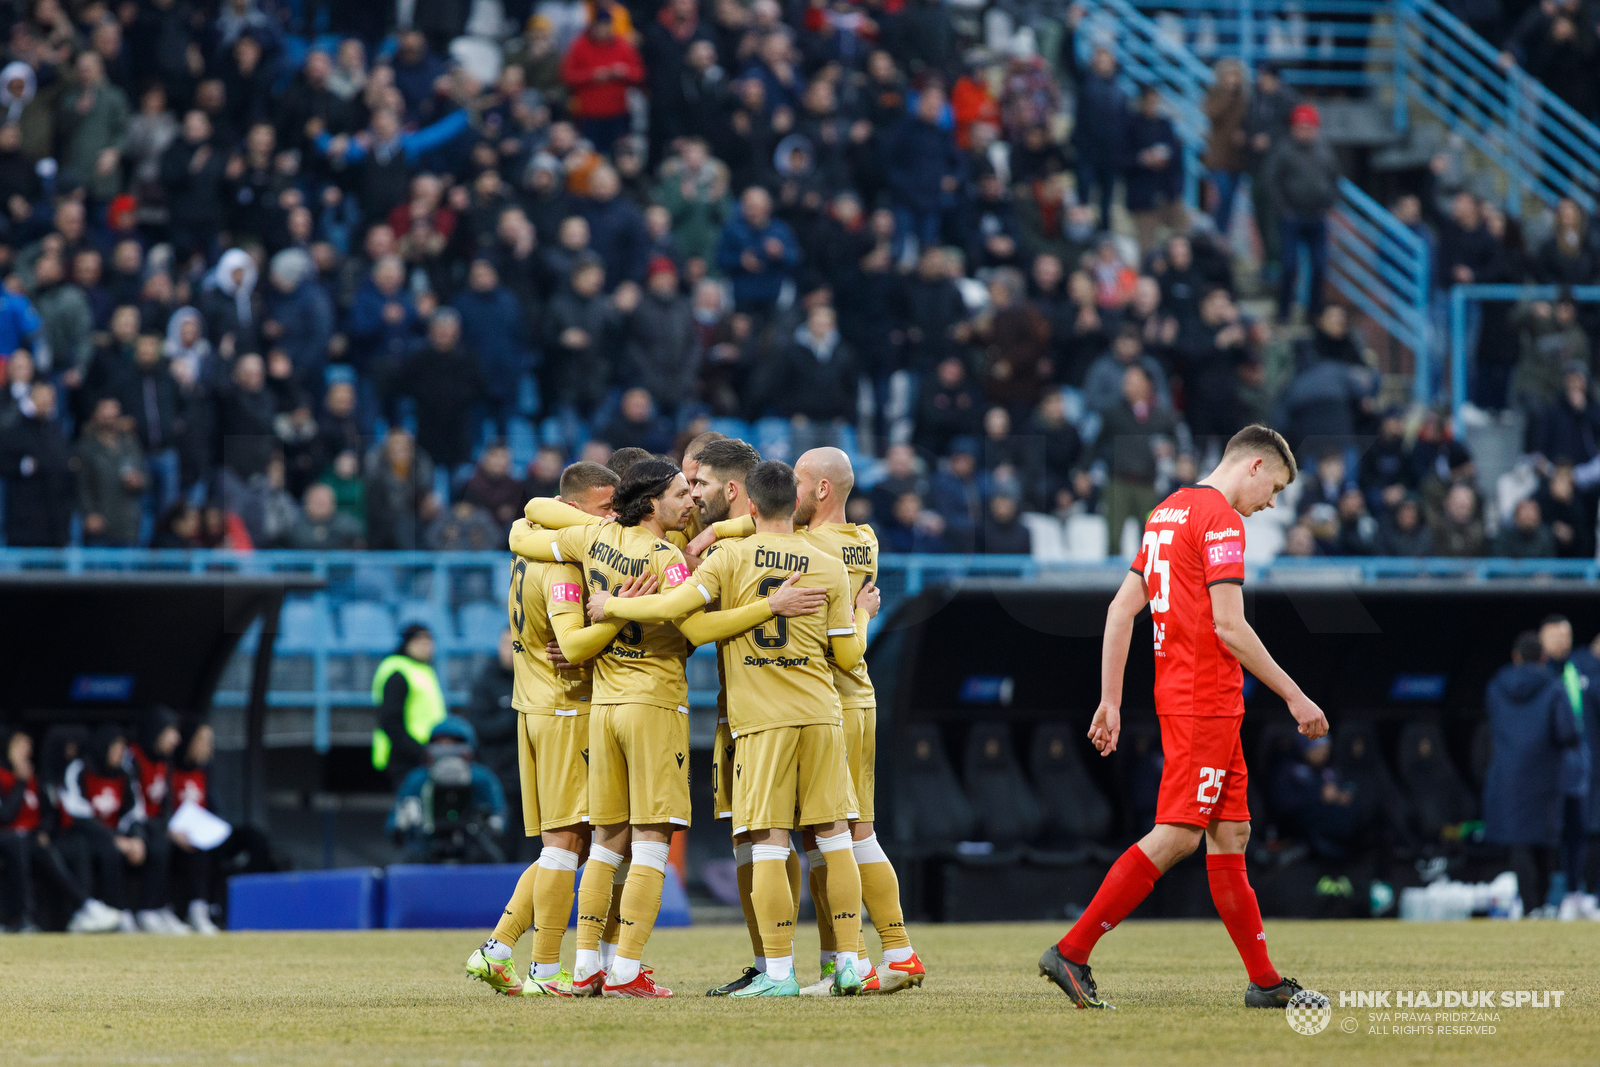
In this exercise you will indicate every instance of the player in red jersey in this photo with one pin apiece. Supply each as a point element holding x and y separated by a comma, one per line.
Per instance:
<point>1190,570</point>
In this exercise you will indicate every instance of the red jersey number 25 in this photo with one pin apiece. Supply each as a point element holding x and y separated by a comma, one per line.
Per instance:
<point>1155,566</point>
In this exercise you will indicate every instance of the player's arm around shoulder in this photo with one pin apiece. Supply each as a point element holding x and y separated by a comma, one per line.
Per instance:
<point>531,543</point>
<point>847,616</point>
<point>555,514</point>
<point>680,594</point>
<point>564,595</point>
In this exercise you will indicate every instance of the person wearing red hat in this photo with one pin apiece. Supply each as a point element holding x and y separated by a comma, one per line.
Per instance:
<point>1302,177</point>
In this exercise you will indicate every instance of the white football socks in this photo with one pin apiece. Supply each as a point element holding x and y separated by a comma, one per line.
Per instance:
<point>494,950</point>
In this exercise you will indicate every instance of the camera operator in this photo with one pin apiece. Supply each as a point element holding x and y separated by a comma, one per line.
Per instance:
<point>451,809</point>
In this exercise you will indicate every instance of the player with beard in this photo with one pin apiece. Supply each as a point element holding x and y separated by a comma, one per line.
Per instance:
<point>639,720</point>
<point>824,479</point>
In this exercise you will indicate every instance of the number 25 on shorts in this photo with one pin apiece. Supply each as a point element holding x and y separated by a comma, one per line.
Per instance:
<point>1210,785</point>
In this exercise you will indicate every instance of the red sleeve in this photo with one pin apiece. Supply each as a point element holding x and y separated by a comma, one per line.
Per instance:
<point>1139,556</point>
<point>577,69</point>
<point>1221,534</point>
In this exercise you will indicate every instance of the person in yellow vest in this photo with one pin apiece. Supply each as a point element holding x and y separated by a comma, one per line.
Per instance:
<point>410,704</point>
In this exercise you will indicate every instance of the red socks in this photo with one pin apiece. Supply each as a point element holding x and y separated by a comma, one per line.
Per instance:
<point>1236,903</point>
<point>1128,882</point>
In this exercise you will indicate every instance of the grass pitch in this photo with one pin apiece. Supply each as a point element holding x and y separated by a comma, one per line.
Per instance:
<point>400,998</point>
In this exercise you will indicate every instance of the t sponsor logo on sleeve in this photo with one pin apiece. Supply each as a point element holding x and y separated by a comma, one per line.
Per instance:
<point>565,592</point>
<point>677,574</point>
<point>1226,552</point>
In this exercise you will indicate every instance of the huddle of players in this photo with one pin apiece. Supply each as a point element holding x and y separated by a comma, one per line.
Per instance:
<point>604,613</point>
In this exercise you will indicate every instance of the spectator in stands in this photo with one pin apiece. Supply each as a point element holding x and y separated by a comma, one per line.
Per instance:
<point>410,704</point>
<point>955,494</point>
<point>1226,106</point>
<point>1330,478</point>
<point>544,473</point>
<point>35,461</point>
<point>1402,531</point>
<point>758,252</point>
<point>111,478</point>
<point>1564,62</point>
<point>494,488</point>
<point>1266,126</point>
<point>1133,436</point>
<point>812,380</point>
<point>1570,514</point>
<point>1550,340</point>
<point>1016,339</point>
<point>1327,401</point>
<point>464,527</point>
<point>321,526</point>
<point>299,315</point>
<point>1386,474</point>
<point>445,381</point>
<point>1102,388</point>
<point>1571,255</point>
<point>910,528</point>
<point>949,407</point>
<point>1569,428</point>
<point>398,492</point>
<point>1213,352</point>
<point>67,324</point>
<point>990,231</point>
<point>499,729</point>
<point>493,328</point>
<point>637,424</point>
<point>1002,530</point>
<point>1152,170</point>
<point>1458,529</point>
<point>1527,537</point>
<point>582,326</point>
<point>246,411</point>
<point>1358,530</point>
<point>1099,124</point>
<point>1532,725</point>
<point>616,228</point>
<point>923,167</point>
<point>599,67</point>
<point>1302,177</point>
<point>663,351</point>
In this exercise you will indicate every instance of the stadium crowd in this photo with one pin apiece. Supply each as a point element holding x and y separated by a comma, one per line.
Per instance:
<point>293,276</point>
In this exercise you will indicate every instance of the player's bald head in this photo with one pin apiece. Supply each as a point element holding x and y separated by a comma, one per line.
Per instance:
<point>821,475</point>
<point>831,464</point>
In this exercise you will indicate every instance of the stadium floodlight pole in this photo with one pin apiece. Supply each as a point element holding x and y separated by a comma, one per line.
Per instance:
<point>1190,572</point>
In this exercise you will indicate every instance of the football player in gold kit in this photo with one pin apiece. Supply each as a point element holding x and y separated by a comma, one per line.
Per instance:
<point>545,606</point>
<point>825,478</point>
<point>639,725</point>
<point>790,763</point>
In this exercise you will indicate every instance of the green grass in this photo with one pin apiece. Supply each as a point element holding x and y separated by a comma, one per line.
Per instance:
<point>401,998</point>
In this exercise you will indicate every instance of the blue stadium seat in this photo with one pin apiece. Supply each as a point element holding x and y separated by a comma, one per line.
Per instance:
<point>738,429</point>
<point>367,627</point>
<point>429,614</point>
<point>303,626</point>
<point>437,896</point>
<point>772,439</point>
<point>481,623</point>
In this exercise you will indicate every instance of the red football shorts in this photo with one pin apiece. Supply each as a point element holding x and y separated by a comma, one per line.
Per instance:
<point>1203,776</point>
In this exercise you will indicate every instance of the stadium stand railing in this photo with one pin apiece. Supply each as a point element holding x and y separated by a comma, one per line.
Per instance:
<point>330,642</point>
<point>1374,261</point>
<point>1408,52</point>
<point>1463,295</point>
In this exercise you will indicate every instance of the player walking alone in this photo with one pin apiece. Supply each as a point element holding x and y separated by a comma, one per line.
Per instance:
<point>1190,570</point>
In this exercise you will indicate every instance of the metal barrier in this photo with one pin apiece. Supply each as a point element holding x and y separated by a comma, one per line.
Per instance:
<point>1374,261</point>
<point>1546,148</point>
<point>453,580</point>
<point>1460,295</point>
<point>1415,52</point>
<point>1313,42</point>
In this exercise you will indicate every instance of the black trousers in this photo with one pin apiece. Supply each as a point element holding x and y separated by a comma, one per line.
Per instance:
<point>200,875</point>
<point>22,859</point>
<point>91,855</point>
